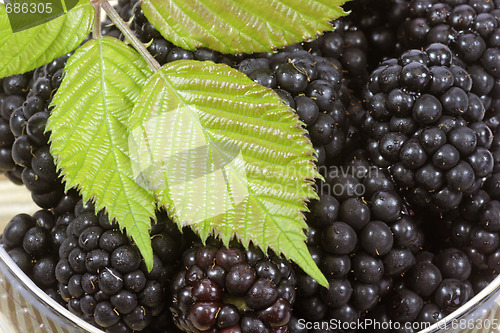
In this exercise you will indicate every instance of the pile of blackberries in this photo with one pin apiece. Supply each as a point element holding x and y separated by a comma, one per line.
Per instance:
<point>232,290</point>
<point>426,126</point>
<point>402,105</point>
<point>91,267</point>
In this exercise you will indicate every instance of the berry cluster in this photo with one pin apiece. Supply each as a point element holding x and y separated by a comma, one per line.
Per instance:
<point>471,29</point>
<point>232,290</point>
<point>88,265</point>
<point>102,276</point>
<point>426,126</point>
<point>379,24</point>
<point>314,87</point>
<point>13,92</point>
<point>364,238</point>
<point>31,242</point>
<point>30,150</point>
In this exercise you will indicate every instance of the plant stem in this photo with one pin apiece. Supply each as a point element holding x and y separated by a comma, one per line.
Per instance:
<point>96,31</point>
<point>124,28</point>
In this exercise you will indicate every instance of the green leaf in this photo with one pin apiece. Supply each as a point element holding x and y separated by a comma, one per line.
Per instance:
<point>242,26</point>
<point>31,48</point>
<point>89,133</point>
<point>224,154</point>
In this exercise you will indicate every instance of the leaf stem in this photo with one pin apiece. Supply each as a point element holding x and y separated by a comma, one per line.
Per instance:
<point>96,30</point>
<point>124,28</point>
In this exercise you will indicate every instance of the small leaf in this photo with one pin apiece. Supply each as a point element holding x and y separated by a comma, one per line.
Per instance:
<point>31,48</point>
<point>242,26</point>
<point>225,155</point>
<point>89,134</point>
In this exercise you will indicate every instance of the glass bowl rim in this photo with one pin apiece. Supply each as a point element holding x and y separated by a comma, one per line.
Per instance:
<point>45,299</point>
<point>74,319</point>
<point>443,323</point>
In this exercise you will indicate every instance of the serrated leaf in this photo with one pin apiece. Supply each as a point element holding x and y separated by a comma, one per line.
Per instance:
<point>89,133</point>
<point>225,155</point>
<point>31,48</point>
<point>242,26</point>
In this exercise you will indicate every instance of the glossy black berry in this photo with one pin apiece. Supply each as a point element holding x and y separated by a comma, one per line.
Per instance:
<point>405,305</point>
<point>37,241</point>
<point>376,238</point>
<point>338,238</point>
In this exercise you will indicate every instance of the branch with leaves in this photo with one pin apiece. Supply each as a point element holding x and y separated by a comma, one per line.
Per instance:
<point>201,140</point>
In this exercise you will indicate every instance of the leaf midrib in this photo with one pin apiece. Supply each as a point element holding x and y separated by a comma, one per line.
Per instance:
<point>111,139</point>
<point>171,87</point>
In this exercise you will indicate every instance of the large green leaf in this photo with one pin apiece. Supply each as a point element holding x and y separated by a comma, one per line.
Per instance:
<point>225,155</point>
<point>242,26</point>
<point>31,48</point>
<point>89,134</point>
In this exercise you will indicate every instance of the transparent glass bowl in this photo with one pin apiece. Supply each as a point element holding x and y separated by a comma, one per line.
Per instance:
<point>479,314</point>
<point>26,308</point>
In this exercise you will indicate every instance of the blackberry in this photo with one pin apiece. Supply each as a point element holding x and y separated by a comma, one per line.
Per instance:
<point>469,28</point>
<point>315,87</point>
<point>223,289</point>
<point>438,158</point>
<point>98,275</point>
<point>358,236</point>
<point>28,125</point>
<point>105,276</point>
<point>347,47</point>
<point>464,26</point>
<point>13,92</point>
<point>379,24</point>
<point>30,243</point>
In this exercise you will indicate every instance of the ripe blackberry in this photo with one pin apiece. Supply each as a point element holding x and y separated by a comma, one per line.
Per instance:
<point>466,26</point>
<point>30,150</point>
<point>470,29</point>
<point>362,236</point>
<point>438,153</point>
<point>102,276</point>
<point>93,269</point>
<point>29,241</point>
<point>13,92</point>
<point>346,47</point>
<point>315,87</point>
<point>222,289</point>
<point>379,22</point>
